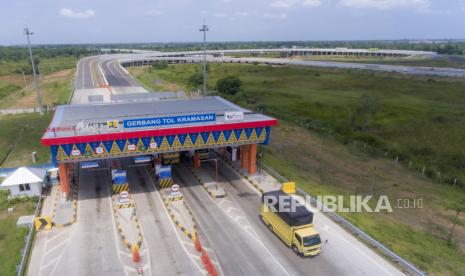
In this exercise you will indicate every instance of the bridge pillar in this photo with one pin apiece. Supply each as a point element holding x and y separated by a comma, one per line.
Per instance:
<point>63,171</point>
<point>245,157</point>
<point>252,159</point>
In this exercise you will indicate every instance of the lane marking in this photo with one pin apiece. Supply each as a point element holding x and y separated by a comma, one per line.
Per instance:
<point>202,271</point>
<point>101,73</point>
<point>109,67</point>
<point>255,237</point>
<point>146,249</point>
<point>62,253</point>
<point>92,72</point>
<point>115,235</point>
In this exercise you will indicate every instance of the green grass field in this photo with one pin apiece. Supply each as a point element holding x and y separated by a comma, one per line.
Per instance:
<point>12,239</point>
<point>419,119</point>
<point>46,65</point>
<point>32,127</point>
<point>413,114</point>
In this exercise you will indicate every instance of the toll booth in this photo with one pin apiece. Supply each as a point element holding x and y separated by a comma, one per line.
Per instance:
<point>81,133</point>
<point>119,181</point>
<point>164,176</point>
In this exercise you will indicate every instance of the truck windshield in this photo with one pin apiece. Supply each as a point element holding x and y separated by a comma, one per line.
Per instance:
<point>312,240</point>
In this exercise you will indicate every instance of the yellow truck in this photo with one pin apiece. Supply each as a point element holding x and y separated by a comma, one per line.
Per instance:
<point>294,226</point>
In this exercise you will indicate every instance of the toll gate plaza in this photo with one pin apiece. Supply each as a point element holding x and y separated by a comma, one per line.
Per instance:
<point>170,187</point>
<point>83,133</point>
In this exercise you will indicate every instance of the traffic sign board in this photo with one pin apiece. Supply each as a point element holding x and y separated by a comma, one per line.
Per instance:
<point>175,187</point>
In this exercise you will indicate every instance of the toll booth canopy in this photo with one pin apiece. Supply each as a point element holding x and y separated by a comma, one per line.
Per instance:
<point>89,132</point>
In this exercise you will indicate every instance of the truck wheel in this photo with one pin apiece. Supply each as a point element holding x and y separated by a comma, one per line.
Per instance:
<point>296,251</point>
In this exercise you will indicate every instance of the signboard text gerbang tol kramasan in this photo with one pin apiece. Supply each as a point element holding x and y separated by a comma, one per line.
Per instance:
<point>171,120</point>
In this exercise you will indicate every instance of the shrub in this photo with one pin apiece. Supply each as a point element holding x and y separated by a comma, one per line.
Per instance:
<point>229,85</point>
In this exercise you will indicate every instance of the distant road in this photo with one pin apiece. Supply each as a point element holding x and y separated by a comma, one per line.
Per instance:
<point>410,70</point>
<point>103,75</point>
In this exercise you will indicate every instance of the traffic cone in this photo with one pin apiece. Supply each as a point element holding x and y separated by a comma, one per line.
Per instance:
<point>135,253</point>
<point>204,257</point>
<point>213,272</point>
<point>198,246</point>
<point>209,266</point>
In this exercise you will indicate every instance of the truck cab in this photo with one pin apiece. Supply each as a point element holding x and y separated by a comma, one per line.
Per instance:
<point>307,242</point>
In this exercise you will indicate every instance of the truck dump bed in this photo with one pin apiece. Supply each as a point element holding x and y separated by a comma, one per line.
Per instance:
<point>288,208</point>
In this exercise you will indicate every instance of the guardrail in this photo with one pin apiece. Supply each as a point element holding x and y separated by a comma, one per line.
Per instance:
<point>350,227</point>
<point>30,236</point>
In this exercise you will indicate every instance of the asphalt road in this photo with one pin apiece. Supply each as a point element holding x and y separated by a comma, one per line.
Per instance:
<point>88,247</point>
<point>167,256</point>
<point>88,74</point>
<point>239,252</point>
<point>342,255</point>
<point>116,75</point>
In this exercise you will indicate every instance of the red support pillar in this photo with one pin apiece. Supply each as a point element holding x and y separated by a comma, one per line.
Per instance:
<point>63,171</point>
<point>252,159</point>
<point>245,157</point>
<point>197,160</point>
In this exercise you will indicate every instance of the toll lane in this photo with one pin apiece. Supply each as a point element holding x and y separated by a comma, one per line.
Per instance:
<point>342,255</point>
<point>92,248</point>
<point>239,252</point>
<point>167,257</point>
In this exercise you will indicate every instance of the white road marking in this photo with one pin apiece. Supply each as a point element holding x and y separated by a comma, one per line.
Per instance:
<point>101,73</point>
<point>254,235</point>
<point>91,72</point>
<point>177,235</point>
<point>149,260</point>
<point>61,233</point>
<point>55,247</point>
<point>109,68</point>
<point>62,253</point>
<point>115,235</point>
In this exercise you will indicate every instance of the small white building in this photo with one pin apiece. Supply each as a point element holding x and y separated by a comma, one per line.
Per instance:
<point>24,182</point>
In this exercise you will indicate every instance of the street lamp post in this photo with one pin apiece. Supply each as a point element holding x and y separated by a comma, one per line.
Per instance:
<point>36,80</point>
<point>204,30</point>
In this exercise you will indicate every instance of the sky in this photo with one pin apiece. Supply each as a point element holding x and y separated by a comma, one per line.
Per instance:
<point>126,21</point>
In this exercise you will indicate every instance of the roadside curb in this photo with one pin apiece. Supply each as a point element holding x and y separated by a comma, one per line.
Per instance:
<point>197,177</point>
<point>120,229</point>
<point>74,217</point>
<point>183,229</point>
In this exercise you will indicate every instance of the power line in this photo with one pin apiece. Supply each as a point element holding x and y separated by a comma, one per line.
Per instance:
<point>36,80</point>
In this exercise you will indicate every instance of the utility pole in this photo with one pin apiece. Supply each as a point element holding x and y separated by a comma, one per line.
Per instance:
<point>204,30</point>
<point>36,80</point>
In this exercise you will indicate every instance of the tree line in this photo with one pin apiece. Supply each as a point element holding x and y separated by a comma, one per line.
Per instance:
<point>20,53</point>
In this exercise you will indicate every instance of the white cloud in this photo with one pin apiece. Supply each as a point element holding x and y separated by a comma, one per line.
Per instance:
<point>386,4</point>
<point>292,3</point>
<point>154,12</point>
<point>311,3</point>
<point>74,14</point>
<point>275,15</point>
